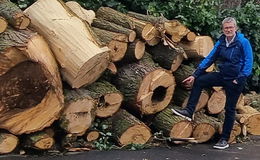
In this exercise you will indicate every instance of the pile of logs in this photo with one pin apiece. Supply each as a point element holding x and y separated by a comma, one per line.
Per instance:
<point>66,72</point>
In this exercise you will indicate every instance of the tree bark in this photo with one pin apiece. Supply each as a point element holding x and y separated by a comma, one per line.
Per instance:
<point>135,51</point>
<point>13,14</point>
<point>182,73</point>
<point>147,88</point>
<point>109,26</point>
<point>75,46</point>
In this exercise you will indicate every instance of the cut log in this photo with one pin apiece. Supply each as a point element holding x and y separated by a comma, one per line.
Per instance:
<point>181,97</point>
<point>200,47</point>
<point>75,46</point>
<point>172,126</point>
<point>3,24</point>
<point>31,91</point>
<point>92,135</point>
<point>250,117</point>
<point>127,129</point>
<point>148,18</point>
<point>216,102</point>
<point>109,26</point>
<point>109,97</point>
<point>87,15</point>
<point>143,29</point>
<point>13,14</point>
<point>79,111</point>
<point>205,127</point>
<point>252,99</point>
<point>8,143</point>
<point>41,140</point>
<point>176,30</point>
<point>116,42</point>
<point>190,37</point>
<point>147,88</point>
<point>167,57</point>
<point>135,51</point>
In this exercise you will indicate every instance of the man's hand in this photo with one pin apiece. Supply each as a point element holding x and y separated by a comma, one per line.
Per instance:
<point>188,82</point>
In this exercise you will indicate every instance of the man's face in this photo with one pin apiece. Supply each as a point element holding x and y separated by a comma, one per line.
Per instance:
<point>229,29</point>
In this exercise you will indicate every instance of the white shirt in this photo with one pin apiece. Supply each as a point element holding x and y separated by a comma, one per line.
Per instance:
<point>232,40</point>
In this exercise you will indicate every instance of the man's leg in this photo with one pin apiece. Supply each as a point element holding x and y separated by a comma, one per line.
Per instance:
<point>204,81</point>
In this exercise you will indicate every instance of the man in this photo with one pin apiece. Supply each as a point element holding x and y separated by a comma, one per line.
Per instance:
<point>234,54</point>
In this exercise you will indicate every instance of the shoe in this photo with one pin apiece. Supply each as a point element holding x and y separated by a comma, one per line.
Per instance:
<point>222,144</point>
<point>183,113</point>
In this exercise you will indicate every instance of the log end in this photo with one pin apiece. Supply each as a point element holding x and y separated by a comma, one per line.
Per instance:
<point>203,132</point>
<point>8,143</point>
<point>182,129</point>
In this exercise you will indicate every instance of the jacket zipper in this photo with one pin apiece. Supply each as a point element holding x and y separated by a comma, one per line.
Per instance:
<point>231,53</point>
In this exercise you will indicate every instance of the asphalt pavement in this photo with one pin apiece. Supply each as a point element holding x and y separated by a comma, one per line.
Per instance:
<point>249,150</point>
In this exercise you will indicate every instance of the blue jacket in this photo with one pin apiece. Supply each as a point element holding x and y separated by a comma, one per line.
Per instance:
<point>235,61</point>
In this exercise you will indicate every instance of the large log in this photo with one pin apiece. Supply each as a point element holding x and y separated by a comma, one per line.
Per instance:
<point>147,88</point>
<point>79,111</point>
<point>127,129</point>
<point>172,126</point>
<point>109,98</point>
<point>152,19</point>
<point>13,14</point>
<point>75,46</point>
<point>167,57</point>
<point>200,47</point>
<point>8,143</point>
<point>31,91</point>
<point>182,73</point>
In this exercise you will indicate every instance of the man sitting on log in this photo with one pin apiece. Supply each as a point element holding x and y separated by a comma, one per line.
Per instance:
<point>234,53</point>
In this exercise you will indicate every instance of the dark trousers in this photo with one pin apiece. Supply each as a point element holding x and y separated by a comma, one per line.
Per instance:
<point>232,91</point>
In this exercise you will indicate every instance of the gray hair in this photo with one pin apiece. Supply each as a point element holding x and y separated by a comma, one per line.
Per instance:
<point>228,20</point>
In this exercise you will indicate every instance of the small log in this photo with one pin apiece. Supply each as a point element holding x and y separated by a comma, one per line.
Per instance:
<point>30,83</point>
<point>109,98</point>
<point>87,15</point>
<point>172,126</point>
<point>200,47</point>
<point>79,111</point>
<point>78,51</point>
<point>167,57</point>
<point>147,88</point>
<point>190,37</point>
<point>92,135</point>
<point>8,143</point>
<point>127,129</point>
<point>202,103</point>
<point>116,42</point>
<point>3,24</point>
<point>143,29</point>
<point>205,127</point>
<point>13,14</point>
<point>250,117</point>
<point>41,140</point>
<point>109,26</point>
<point>148,18</point>
<point>216,102</point>
<point>252,99</point>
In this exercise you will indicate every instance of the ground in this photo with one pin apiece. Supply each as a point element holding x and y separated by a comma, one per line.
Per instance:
<point>249,150</point>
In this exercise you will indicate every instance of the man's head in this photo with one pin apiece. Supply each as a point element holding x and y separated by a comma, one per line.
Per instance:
<point>229,27</point>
